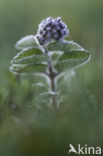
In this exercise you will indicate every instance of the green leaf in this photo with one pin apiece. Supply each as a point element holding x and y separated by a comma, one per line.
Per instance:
<point>27,41</point>
<point>30,56</point>
<point>41,80</point>
<point>31,60</point>
<point>65,65</point>
<point>27,52</point>
<point>73,55</point>
<point>22,69</point>
<point>65,46</point>
<point>44,98</point>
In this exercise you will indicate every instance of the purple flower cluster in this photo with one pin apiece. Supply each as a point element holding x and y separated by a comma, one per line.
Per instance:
<point>50,29</point>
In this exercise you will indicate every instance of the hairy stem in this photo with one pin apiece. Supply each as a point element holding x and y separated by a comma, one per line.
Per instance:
<point>52,81</point>
<point>52,76</point>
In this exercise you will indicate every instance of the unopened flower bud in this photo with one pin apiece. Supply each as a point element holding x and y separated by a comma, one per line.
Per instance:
<point>52,29</point>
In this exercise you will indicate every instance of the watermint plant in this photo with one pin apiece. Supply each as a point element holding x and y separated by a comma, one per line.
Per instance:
<point>49,54</point>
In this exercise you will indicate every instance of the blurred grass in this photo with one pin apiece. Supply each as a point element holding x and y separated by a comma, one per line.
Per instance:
<point>80,119</point>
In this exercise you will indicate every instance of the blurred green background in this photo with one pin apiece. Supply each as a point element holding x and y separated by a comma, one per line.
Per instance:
<point>24,131</point>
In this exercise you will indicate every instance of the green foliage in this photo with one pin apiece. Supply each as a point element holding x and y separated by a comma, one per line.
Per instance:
<point>80,118</point>
<point>28,68</point>
<point>25,57</point>
<point>44,99</point>
<point>65,55</point>
<point>65,46</point>
<point>29,60</point>
<point>72,57</point>
<point>27,52</point>
<point>25,42</point>
<point>51,59</point>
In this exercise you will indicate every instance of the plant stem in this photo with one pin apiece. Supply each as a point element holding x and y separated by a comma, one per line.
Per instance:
<point>52,76</point>
<point>53,84</point>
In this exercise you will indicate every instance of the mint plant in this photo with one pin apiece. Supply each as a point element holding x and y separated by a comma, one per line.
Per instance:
<point>48,53</point>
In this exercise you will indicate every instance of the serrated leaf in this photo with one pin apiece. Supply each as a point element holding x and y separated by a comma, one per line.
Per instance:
<point>44,98</point>
<point>65,46</point>
<point>27,52</point>
<point>40,86</point>
<point>27,41</point>
<point>22,69</point>
<point>31,60</point>
<point>75,55</point>
<point>65,65</point>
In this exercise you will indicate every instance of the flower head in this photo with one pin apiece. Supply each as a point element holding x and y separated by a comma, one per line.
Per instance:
<point>52,29</point>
